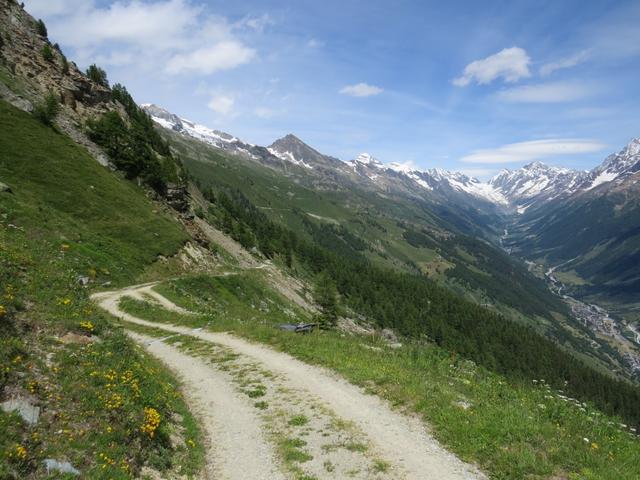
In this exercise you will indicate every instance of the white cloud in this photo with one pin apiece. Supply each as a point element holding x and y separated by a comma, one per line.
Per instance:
<point>157,25</point>
<point>572,61</point>
<point>169,35</point>
<point>221,104</point>
<point>314,43</point>
<point>555,92</point>
<point>222,56</point>
<point>115,59</point>
<point>45,8</point>
<point>256,23</point>
<point>510,64</point>
<point>533,150</point>
<point>361,90</point>
<point>264,112</point>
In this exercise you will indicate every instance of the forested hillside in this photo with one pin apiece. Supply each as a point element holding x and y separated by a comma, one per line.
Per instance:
<point>606,252</point>
<point>415,306</point>
<point>405,234</point>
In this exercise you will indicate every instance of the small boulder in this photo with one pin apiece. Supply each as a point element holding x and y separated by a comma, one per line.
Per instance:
<point>29,412</point>
<point>53,466</point>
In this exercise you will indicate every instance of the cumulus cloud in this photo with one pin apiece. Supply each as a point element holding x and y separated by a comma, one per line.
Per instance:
<point>510,64</point>
<point>221,104</point>
<point>169,35</point>
<point>555,92</point>
<point>222,56</point>
<point>572,61</point>
<point>157,25</point>
<point>361,90</point>
<point>45,8</point>
<point>533,150</point>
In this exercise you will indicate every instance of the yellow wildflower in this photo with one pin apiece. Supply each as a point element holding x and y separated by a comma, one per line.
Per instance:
<point>151,421</point>
<point>19,452</point>
<point>88,326</point>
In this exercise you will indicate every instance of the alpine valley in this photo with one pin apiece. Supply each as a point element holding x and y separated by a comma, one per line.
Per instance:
<point>178,303</point>
<point>530,241</point>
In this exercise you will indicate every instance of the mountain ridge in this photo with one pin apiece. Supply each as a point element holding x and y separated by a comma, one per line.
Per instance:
<point>511,189</point>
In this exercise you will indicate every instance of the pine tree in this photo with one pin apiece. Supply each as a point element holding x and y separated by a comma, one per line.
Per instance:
<point>41,28</point>
<point>98,75</point>
<point>47,54</point>
<point>326,296</point>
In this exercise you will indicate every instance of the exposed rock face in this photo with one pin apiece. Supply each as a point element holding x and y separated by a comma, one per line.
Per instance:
<point>32,77</point>
<point>177,197</point>
<point>22,56</point>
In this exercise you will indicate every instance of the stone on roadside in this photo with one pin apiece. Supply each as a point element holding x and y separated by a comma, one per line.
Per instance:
<point>58,466</point>
<point>29,412</point>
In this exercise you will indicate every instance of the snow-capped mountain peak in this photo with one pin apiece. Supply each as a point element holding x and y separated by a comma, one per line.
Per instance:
<point>617,165</point>
<point>519,189</point>
<point>368,159</point>
<point>535,180</point>
<point>187,127</point>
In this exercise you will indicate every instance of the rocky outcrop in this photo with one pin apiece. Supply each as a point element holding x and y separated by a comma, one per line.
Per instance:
<point>36,73</point>
<point>177,197</point>
<point>30,75</point>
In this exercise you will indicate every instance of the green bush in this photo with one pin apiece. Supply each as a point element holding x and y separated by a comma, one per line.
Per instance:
<point>47,53</point>
<point>98,75</point>
<point>41,28</point>
<point>65,65</point>
<point>47,110</point>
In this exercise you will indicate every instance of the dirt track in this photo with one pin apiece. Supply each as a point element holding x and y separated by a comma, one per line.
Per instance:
<point>400,441</point>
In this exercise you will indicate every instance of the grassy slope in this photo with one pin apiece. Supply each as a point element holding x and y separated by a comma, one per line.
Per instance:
<point>69,217</point>
<point>382,223</point>
<point>513,431</point>
<point>470,267</point>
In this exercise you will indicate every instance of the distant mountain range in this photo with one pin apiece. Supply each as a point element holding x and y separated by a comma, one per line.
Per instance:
<point>583,224</point>
<point>514,191</point>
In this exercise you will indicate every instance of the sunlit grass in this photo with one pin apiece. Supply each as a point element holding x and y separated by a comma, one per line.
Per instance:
<point>512,430</point>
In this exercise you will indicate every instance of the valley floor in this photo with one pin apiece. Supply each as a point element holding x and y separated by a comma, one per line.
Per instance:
<point>269,416</point>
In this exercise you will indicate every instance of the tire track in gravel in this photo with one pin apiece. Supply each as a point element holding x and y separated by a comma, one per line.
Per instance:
<point>400,440</point>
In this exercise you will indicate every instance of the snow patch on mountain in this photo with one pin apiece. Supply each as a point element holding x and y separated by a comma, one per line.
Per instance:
<point>429,179</point>
<point>186,127</point>
<point>289,157</point>
<point>603,177</point>
<point>617,166</point>
<point>519,189</point>
<point>368,159</point>
<point>535,181</point>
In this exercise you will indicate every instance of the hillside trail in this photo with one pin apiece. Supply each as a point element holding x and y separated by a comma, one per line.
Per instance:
<point>269,415</point>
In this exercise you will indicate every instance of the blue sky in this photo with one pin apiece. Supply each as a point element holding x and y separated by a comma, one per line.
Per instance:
<point>462,85</point>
